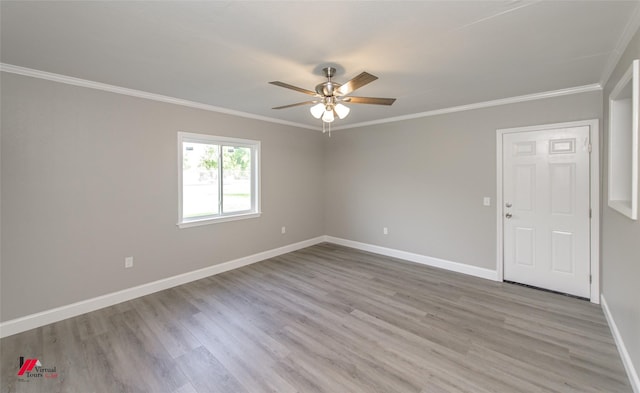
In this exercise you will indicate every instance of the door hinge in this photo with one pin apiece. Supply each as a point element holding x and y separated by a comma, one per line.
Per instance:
<point>590,278</point>
<point>590,213</point>
<point>589,147</point>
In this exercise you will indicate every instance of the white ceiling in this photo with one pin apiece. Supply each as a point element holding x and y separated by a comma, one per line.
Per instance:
<point>429,55</point>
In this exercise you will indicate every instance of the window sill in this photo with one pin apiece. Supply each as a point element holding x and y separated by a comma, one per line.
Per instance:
<point>624,207</point>
<point>216,220</point>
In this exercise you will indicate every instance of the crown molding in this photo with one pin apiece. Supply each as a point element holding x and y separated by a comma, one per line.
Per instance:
<point>142,94</point>
<point>479,105</point>
<point>191,104</point>
<point>628,33</point>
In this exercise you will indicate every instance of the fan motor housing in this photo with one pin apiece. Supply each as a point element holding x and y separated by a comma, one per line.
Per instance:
<point>327,88</point>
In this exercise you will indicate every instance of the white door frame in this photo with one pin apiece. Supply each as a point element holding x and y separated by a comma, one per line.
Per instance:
<point>594,181</point>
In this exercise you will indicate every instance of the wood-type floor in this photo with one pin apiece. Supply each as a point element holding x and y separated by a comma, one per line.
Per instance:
<point>327,319</point>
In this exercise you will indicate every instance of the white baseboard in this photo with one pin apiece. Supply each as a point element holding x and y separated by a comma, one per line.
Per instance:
<point>418,258</point>
<point>32,321</point>
<point>622,349</point>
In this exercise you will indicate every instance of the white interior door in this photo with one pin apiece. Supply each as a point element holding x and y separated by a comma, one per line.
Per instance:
<point>545,210</point>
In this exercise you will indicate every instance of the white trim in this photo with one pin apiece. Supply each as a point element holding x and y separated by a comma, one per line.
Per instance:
<point>594,181</point>
<point>622,349</point>
<point>479,105</point>
<point>32,321</point>
<point>499,204</point>
<point>142,94</point>
<point>217,220</point>
<point>594,162</point>
<point>628,33</point>
<point>177,101</point>
<point>418,258</point>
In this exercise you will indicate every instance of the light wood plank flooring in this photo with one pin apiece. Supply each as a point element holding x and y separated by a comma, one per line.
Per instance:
<point>328,319</point>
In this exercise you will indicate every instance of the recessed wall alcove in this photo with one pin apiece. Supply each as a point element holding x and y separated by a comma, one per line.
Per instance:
<point>623,143</point>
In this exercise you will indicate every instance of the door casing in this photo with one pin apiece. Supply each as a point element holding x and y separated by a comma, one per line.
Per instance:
<point>594,191</point>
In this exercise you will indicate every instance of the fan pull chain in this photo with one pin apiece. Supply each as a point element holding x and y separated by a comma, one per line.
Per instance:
<point>324,128</point>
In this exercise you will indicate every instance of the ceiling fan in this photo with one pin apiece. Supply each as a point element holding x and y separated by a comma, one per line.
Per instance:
<point>330,96</point>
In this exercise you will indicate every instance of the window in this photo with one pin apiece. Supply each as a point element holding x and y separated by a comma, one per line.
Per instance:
<point>218,179</point>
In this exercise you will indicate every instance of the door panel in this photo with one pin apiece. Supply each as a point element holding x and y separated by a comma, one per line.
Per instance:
<point>562,188</point>
<point>562,252</point>
<point>525,246</point>
<point>525,186</point>
<point>546,209</point>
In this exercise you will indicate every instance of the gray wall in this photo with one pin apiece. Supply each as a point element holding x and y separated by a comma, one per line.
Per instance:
<point>90,177</point>
<point>425,178</point>
<point>621,241</point>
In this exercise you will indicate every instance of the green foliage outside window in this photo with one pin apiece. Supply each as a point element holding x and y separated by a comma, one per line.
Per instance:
<point>209,160</point>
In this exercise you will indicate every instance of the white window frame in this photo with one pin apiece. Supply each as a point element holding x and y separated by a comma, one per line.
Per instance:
<point>255,179</point>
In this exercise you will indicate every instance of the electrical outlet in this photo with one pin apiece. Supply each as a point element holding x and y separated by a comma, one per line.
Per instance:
<point>385,231</point>
<point>486,201</point>
<point>283,230</point>
<point>128,262</point>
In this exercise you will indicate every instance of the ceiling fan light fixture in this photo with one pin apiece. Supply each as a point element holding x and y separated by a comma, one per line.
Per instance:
<point>329,97</point>
<point>328,116</point>
<point>317,110</point>
<point>341,110</point>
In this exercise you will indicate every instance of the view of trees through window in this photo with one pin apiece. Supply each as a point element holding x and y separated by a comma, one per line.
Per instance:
<point>216,179</point>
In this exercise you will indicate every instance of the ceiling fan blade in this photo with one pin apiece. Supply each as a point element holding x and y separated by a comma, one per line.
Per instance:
<point>356,83</point>
<point>298,104</point>
<point>370,100</point>
<point>288,86</point>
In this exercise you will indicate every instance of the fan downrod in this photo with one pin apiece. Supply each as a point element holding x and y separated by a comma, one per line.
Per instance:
<point>329,72</point>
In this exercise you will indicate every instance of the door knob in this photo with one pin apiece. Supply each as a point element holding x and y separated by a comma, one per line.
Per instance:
<point>508,204</point>
<point>508,215</point>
